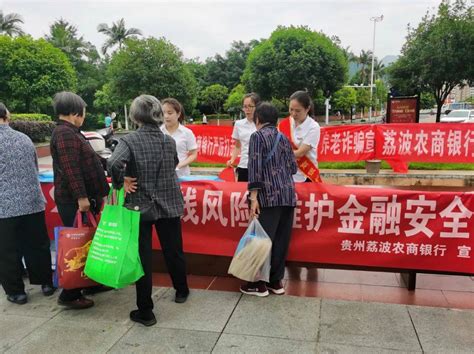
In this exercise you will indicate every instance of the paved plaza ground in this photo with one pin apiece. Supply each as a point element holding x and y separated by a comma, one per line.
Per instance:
<point>229,322</point>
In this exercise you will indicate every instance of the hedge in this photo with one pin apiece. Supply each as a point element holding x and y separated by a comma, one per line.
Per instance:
<point>36,131</point>
<point>30,117</point>
<point>221,116</point>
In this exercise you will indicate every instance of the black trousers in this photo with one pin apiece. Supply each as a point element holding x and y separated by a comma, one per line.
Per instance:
<point>242,174</point>
<point>67,212</point>
<point>278,223</point>
<point>169,233</point>
<point>26,234</point>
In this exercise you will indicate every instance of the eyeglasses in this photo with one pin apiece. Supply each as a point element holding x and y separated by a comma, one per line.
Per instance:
<point>248,107</point>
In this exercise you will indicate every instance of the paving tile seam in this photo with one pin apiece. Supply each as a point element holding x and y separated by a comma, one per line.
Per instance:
<point>368,347</point>
<point>158,325</point>
<point>48,319</point>
<point>227,322</point>
<point>318,335</point>
<point>210,284</point>
<point>273,337</point>
<point>118,340</point>
<point>446,298</point>
<point>414,328</point>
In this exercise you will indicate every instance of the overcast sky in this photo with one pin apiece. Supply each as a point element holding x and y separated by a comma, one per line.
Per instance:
<point>204,28</point>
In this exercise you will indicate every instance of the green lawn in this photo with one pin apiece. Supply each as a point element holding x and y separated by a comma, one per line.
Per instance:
<point>361,165</point>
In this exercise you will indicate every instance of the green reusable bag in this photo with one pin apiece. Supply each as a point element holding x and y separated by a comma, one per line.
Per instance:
<point>113,258</point>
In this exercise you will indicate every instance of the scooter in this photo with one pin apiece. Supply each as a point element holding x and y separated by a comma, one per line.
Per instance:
<point>108,135</point>
<point>102,141</point>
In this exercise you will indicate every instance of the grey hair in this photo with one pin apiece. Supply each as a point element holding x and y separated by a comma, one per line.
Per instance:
<point>146,109</point>
<point>3,111</point>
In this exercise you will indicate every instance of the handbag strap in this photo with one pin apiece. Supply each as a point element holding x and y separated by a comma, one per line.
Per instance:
<point>78,221</point>
<point>275,146</point>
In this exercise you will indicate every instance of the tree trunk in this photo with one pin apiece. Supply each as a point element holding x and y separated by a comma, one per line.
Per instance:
<point>439,105</point>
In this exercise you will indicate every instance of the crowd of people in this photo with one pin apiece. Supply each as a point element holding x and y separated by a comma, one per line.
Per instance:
<point>147,163</point>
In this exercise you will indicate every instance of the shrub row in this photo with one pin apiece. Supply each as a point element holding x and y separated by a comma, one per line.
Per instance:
<point>36,131</point>
<point>214,116</point>
<point>30,117</point>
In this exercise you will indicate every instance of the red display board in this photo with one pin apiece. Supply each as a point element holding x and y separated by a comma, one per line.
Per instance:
<point>403,109</point>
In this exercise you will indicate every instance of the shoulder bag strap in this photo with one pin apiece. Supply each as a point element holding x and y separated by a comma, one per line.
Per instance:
<point>275,146</point>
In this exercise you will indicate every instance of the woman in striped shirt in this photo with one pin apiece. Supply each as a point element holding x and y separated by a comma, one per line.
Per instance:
<point>272,193</point>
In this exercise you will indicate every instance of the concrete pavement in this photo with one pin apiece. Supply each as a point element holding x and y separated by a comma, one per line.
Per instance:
<point>229,322</point>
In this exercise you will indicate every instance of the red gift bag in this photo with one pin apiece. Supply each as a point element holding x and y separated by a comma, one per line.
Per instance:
<point>72,249</point>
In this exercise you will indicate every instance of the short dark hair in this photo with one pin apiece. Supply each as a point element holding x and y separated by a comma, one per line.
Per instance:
<point>253,96</point>
<point>66,103</point>
<point>266,113</point>
<point>177,106</point>
<point>305,100</point>
<point>3,111</point>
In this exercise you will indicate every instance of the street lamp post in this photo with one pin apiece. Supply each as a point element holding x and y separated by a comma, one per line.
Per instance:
<point>375,19</point>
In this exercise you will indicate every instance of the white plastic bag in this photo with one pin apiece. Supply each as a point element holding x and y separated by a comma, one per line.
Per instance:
<point>251,261</point>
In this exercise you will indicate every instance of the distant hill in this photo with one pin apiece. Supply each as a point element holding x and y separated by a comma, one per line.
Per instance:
<point>389,59</point>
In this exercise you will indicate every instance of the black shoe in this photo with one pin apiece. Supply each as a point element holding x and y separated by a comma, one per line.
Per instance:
<point>78,304</point>
<point>145,318</point>
<point>48,289</point>
<point>19,299</point>
<point>96,289</point>
<point>181,297</point>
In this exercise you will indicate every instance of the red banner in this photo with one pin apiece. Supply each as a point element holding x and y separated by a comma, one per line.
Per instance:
<point>347,143</point>
<point>359,226</point>
<point>214,142</point>
<point>396,143</point>
<point>431,142</point>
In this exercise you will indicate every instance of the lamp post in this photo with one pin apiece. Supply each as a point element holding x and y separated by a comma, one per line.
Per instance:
<point>375,19</point>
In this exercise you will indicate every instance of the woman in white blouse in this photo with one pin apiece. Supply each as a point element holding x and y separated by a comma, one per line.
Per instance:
<point>186,145</point>
<point>243,129</point>
<point>305,134</point>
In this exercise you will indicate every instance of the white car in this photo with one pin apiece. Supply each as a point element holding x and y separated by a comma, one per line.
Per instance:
<point>459,116</point>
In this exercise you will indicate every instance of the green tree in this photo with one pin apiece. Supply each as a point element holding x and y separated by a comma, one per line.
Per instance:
<point>437,55</point>
<point>105,101</point>
<point>10,24</point>
<point>32,71</point>
<point>233,103</point>
<point>363,99</point>
<point>295,58</point>
<point>344,99</point>
<point>83,56</point>
<point>365,61</point>
<point>227,70</point>
<point>379,69</point>
<point>214,96</point>
<point>427,100</point>
<point>199,71</point>
<point>64,36</point>
<point>152,66</point>
<point>117,34</point>
<point>380,95</point>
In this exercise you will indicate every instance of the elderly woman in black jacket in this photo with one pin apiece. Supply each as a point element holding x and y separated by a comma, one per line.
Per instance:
<point>144,162</point>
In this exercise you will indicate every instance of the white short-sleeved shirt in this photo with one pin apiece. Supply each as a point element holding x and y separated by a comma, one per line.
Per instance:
<point>185,142</point>
<point>242,131</point>
<point>307,133</point>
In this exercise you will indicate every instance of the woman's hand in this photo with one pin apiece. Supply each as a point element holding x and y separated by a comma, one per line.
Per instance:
<point>129,185</point>
<point>231,163</point>
<point>84,204</point>
<point>254,208</point>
